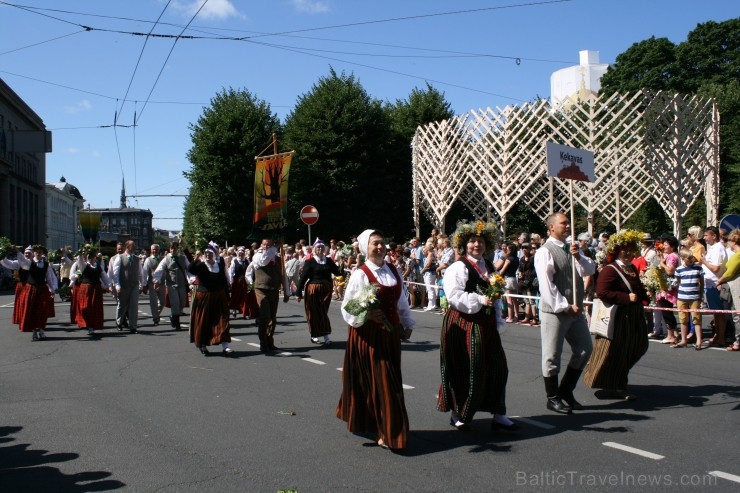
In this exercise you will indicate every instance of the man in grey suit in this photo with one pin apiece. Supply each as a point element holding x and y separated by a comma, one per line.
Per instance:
<point>127,281</point>
<point>561,313</point>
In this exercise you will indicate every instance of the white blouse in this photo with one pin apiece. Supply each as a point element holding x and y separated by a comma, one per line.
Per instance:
<point>359,280</point>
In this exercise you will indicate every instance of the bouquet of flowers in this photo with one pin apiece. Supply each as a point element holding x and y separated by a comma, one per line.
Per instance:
<point>651,279</point>
<point>364,301</point>
<point>494,289</point>
<point>54,256</point>
<point>6,247</point>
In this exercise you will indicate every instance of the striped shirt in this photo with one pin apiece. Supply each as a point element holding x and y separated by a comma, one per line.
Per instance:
<point>688,288</point>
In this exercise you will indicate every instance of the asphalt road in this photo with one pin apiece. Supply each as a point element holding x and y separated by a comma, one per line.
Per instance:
<point>147,412</point>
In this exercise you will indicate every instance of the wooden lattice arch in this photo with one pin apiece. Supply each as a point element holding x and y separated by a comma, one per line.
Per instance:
<point>645,144</point>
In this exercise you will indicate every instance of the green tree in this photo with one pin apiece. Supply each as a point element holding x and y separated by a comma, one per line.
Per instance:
<point>340,135</point>
<point>707,64</point>
<point>648,64</point>
<point>421,107</point>
<point>234,129</point>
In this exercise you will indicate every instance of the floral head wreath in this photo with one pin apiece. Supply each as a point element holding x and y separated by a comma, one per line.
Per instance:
<point>626,238</point>
<point>88,250</point>
<point>486,230</point>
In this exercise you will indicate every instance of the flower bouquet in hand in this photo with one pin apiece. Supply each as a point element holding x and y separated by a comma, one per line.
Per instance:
<point>6,247</point>
<point>364,301</point>
<point>495,287</point>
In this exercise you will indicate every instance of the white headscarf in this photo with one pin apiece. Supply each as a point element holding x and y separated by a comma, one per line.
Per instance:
<point>364,240</point>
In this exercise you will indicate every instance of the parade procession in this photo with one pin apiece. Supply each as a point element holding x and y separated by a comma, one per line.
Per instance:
<point>388,265</point>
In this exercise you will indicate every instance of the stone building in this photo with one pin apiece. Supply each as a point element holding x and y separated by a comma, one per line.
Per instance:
<point>24,142</point>
<point>63,204</point>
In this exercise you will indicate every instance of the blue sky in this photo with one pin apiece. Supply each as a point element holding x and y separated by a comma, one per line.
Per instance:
<point>77,79</point>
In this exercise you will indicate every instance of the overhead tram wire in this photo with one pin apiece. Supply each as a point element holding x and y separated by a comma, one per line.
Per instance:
<point>164,64</point>
<point>42,42</point>
<point>141,54</point>
<point>393,72</point>
<point>290,33</point>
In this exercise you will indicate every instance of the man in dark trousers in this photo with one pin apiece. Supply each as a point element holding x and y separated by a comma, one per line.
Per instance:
<point>268,277</point>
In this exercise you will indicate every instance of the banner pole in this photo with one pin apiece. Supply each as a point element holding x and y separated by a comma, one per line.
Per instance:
<point>572,239</point>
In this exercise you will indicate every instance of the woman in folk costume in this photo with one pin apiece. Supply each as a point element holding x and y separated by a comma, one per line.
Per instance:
<point>317,281</point>
<point>372,388</point>
<point>619,284</point>
<point>472,359</point>
<point>34,301</point>
<point>91,282</point>
<point>209,317</point>
<point>22,283</point>
<point>238,282</point>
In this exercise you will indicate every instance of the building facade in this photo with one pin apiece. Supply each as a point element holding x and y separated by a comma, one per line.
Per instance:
<point>63,204</point>
<point>128,223</point>
<point>573,83</point>
<point>24,142</point>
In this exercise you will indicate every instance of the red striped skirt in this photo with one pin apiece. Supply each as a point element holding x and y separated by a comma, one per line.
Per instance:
<point>19,297</point>
<point>473,365</point>
<point>73,303</point>
<point>32,308</point>
<point>209,318</point>
<point>317,302</point>
<point>372,388</point>
<point>89,309</point>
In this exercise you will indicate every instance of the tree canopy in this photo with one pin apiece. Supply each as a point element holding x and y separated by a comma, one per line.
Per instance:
<point>227,137</point>
<point>707,64</point>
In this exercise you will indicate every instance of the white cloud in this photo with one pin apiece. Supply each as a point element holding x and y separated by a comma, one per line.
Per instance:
<point>311,6</point>
<point>72,150</point>
<point>83,105</point>
<point>214,9</point>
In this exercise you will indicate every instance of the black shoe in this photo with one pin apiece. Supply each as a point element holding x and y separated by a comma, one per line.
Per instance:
<point>514,426</point>
<point>455,421</point>
<point>35,337</point>
<point>156,322</point>
<point>204,351</point>
<point>119,327</point>
<point>557,405</point>
<point>568,398</point>
<point>326,345</point>
<point>133,331</point>
<point>228,352</point>
<point>316,340</point>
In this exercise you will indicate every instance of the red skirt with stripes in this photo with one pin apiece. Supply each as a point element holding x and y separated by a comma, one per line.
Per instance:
<point>89,309</point>
<point>473,365</point>
<point>73,303</point>
<point>19,295</point>
<point>32,307</point>
<point>372,388</point>
<point>317,302</point>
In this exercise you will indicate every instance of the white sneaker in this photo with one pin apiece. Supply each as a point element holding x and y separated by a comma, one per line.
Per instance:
<point>430,308</point>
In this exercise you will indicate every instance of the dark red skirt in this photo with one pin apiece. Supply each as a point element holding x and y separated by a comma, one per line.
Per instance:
<point>89,309</point>
<point>209,318</point>
<point>372,388</point>
<point>50,310</point>
<point>316,303</point>
<point>239,296</point>
<point>32,307</point>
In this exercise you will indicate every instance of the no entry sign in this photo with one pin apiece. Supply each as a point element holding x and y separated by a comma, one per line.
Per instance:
<point>309,215</point>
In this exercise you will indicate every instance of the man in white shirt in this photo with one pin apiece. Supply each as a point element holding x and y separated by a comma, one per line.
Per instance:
<point>127,282</point>
<point>561,313</point>
<point>713,265</point>
<point>268,277</point>
<point>156,292</point>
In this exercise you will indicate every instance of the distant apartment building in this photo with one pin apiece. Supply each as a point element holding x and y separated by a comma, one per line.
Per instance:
<point>24,142</point>
<point>128,223</point>
<point>63,204</point>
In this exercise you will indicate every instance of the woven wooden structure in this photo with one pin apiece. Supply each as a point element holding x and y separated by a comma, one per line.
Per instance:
<point>645,144</point>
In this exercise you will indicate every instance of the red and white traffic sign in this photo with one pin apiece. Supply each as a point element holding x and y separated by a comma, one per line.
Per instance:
<point>309,215</point>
